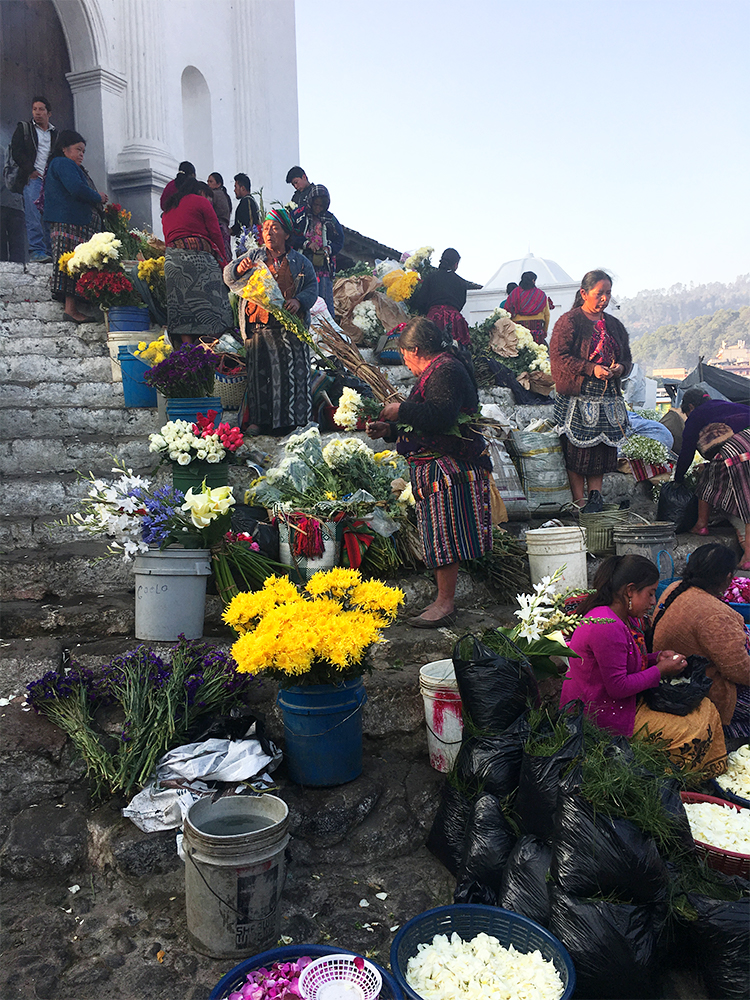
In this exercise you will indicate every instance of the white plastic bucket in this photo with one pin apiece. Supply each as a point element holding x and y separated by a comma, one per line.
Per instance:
<point>552,548</point>
<point>442,712</point>
<point>302,569</point>
<point>118,338</point>
<point>170,593</point>
<point>234,873</point>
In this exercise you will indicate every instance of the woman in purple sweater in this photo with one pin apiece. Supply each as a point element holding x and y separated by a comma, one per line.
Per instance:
<point>614,667</point>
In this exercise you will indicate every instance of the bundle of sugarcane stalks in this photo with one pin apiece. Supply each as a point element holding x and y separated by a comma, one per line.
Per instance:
<point>348,354</point>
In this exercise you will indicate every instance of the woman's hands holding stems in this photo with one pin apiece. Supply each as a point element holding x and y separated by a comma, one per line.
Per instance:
<point>613,371</point>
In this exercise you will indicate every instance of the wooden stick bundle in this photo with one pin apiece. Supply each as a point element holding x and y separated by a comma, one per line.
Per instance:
<point>348,354</point>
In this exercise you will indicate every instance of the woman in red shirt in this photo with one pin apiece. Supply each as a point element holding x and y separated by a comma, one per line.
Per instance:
<point>197,301</point>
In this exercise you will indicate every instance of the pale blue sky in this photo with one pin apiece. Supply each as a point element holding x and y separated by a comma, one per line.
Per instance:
<point>593,132</point>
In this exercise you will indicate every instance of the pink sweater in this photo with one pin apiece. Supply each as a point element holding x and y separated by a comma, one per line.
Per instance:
<point>609,674</point>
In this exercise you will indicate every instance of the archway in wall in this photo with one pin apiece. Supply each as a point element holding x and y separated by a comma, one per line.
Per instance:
<point>196,122</point>
<point>34,60</point>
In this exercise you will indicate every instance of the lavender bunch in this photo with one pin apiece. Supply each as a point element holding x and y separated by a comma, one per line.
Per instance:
<point>187,372</point>
<point>67,698</point>
<point>162,508</point>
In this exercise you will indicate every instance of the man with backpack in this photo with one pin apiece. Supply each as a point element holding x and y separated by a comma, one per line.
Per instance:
<point>30,147</point>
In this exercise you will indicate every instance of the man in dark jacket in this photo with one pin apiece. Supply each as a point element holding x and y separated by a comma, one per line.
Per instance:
<point>31,145</point>
<point>247,213</point>
<point>297,177</point>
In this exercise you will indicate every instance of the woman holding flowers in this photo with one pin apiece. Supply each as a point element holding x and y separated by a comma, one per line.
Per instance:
<point>70,204</point>
<point>277,398</point>
<point>589,355</point>
<point>448,462</point>
<point>613,668</point>
<point>197,301</point>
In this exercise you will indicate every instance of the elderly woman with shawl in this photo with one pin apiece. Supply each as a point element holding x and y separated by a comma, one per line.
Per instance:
<point>277,398</point>
<point>529,306</point>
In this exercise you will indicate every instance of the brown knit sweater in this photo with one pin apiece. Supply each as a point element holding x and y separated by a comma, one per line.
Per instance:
<point>570,347</point>
<point>697,623</point>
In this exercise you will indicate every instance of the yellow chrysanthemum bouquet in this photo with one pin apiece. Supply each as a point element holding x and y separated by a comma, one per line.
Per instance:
<point>262,289</point>
<point>152,272</point>
<point>155,352</point>
<point>317,635</point>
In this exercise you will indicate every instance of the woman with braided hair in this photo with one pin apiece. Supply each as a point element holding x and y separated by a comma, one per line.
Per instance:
<point>614,668</point>
<point>694,619</point>
<point>448,461</point>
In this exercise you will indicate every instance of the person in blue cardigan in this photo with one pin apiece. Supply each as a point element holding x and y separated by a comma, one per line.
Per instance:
<point>70,204</point>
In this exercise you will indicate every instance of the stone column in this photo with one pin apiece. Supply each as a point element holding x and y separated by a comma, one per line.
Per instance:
<point>144,165</point>
<point>97,99</point>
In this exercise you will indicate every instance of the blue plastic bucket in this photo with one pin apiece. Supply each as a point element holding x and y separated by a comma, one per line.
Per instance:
<point>323,732</point>
<point>128,318</point>
<point>137,393</point>
<point>187,408</point>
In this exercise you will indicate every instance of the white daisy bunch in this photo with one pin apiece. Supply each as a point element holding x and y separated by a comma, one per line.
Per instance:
<point>525,339</point>
<point>347,412</point>
<point>419,256</point>
<point>339,450</point>
<point>365,318</point>
<point>721,826</point>
<point>179,443</point>
<point>480,969</point>
<point>95,254</point>
<point>737,777</point>
<point>644,449</point>
<point>114,510</point>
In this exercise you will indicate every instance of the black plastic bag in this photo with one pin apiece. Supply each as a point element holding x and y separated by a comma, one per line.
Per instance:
<point>681,699</point>
<point>265,534</point>
<point>614,946</point>
<point>540,781</point>
<point>487,845</point>
<point>677,503</point>
<point>720,941</point>
<point>492,764</point>
<point>446,837</point>
<point>525,888</point>
<point>598,855</point>
<point>471,891</point>
<point>494,689</point>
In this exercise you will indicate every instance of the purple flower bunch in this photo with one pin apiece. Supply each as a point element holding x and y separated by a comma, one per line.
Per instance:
<point>160,699</point>
<point>162,506</point>
<point>187,372</point>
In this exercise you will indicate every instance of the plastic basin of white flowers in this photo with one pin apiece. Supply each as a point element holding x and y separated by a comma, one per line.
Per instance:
<point>734,784</point>
<point>468,921</point>
<point>722,859</point>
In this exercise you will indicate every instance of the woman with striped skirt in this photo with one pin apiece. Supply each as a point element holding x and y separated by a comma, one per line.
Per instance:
<point>447,458</point>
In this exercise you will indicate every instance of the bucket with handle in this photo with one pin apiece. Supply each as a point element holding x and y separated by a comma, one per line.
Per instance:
<point>234,873</point>
<point>551,549</point>
<point>442,711</point>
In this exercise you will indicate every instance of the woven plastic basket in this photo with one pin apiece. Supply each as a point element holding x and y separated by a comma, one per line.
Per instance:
<point>231,388</point>
<point>337,977</point>
<point>600,529</point>
<point>234,979</point>
<point>729,862</point>
<point>469,920</point>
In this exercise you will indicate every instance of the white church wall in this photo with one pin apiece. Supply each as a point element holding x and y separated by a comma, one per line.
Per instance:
<point>154,83</point>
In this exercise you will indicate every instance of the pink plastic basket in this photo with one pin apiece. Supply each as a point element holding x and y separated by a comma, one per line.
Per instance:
<point>728,862</point>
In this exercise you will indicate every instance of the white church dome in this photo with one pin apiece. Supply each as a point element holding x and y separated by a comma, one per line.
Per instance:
<point>548,273</point>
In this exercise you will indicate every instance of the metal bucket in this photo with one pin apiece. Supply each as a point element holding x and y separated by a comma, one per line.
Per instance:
<point>234,873</point>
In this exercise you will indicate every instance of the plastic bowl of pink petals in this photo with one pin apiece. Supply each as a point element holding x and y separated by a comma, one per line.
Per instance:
<point>737,596</point>
<point>279,975</point>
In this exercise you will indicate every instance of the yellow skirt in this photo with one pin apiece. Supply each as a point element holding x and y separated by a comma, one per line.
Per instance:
<point>696,741</point>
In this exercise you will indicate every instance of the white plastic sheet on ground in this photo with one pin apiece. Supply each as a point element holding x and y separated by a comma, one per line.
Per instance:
<point>181,777</point>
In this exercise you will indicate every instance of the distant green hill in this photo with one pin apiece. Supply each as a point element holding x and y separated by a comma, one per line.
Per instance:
<point>651,309</point>
<point>676,345</point>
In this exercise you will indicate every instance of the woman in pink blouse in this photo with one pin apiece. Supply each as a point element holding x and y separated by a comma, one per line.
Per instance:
<point>614,667</point>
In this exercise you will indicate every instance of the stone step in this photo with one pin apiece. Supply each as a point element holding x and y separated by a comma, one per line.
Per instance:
<point>34,289</point>
<point>37,368</point>
<point>62,570</point>
<point>105,393</point>
<point>42,329</point>
<point>64,421</point>
<point>43,312</point>
<point>78,453</point>
<point>91,344</point>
